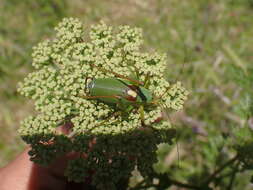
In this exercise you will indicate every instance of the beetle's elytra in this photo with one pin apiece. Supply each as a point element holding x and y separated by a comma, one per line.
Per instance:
<point>118,91</point>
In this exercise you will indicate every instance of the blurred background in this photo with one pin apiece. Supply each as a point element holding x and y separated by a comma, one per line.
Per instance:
<point>202,38</point>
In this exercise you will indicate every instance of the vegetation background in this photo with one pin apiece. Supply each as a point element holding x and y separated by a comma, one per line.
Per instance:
<point>203,39</point>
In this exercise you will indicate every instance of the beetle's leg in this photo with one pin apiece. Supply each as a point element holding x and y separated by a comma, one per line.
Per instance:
<point>107,119</point>
<point>134,71</point>
<point>146,81</point>
<point>166,90</point>
<point>96,97</point>
<point>126,110</point>
<point>129,108</point>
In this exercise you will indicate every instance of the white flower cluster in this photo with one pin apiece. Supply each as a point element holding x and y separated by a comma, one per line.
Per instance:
<point>65,64</point>
<point>130,38</point>
<point>41,54</point>
<point>176,96</point>
<point>37,125</point>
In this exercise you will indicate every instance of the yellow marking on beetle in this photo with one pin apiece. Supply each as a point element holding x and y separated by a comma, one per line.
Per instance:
<point>132,93</point>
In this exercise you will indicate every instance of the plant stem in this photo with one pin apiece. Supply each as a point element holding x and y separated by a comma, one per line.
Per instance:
<point>205,184</point>
<point>216,172</point>
<point>180,184</point>
<point>233,176</point>
<point>170,182</point>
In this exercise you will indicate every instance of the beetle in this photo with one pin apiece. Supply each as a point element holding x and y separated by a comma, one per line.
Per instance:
<point>123,92</point>
<point>118,91</point>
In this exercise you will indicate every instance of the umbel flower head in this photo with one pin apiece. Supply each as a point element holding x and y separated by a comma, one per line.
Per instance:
<point>110,140</point>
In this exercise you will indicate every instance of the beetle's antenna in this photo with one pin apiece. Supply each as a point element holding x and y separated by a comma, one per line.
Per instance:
<point>166,90</point>
<point>118,75</point>
<point>185,52</point>
<point>184,62</point>
<point>167,116</point>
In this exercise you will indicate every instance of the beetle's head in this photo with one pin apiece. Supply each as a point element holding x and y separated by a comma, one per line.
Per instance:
<point>146,95</point>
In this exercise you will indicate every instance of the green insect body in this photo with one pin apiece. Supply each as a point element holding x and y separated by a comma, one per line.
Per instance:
<point>116,91</point>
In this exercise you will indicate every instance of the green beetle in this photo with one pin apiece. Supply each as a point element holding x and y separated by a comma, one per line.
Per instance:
<point>125,93</point>
<point>115,91</point>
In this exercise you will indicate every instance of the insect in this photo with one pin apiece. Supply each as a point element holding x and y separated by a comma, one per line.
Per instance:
<point>120,92</point>
<point>123,92</point>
